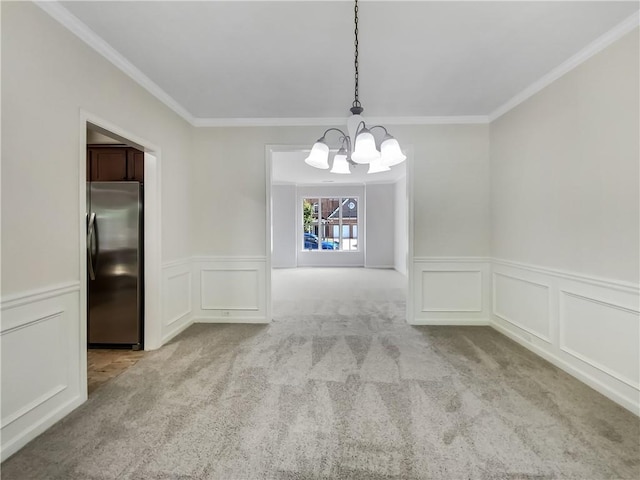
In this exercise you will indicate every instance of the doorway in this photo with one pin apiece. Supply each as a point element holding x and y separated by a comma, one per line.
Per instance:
<point>376,238</point>
<point>139,172</point>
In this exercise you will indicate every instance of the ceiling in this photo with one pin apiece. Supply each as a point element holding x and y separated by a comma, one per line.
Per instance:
<point>294,59</point>
<point>289,168</point>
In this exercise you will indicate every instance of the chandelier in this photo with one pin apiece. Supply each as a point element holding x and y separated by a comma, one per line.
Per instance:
<point>364,150</point>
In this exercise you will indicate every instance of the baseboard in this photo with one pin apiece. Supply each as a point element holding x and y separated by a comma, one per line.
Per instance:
<point>181,327</point>
<point>38,428</point>
<point>605,390</point>
<point>478,322</point>
<point>254,320</point>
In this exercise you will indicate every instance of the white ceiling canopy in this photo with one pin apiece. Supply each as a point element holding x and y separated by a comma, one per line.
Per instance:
<point>294,59</point>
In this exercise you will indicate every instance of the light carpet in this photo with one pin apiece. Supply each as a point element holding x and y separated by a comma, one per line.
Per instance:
<point>338,386</point>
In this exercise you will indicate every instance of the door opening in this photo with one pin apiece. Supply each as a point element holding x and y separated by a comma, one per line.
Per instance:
<point>318,220</point>
<point>120,245</point>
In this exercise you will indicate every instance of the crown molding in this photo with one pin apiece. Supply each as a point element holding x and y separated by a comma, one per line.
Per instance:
<point>82,31</point>
<point>583,55</point>
<point>331,121</point>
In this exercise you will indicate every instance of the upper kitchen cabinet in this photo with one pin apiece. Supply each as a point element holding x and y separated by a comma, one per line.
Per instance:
<point>135,165</point>
<point>108,163</point>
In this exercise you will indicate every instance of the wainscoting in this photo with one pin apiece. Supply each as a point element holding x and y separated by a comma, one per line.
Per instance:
<point>451,291</point>
<point>230,290</point>
<point>213,290</point>
<point>177,298</point>
<point>587,326</point>
<point>42,364</point>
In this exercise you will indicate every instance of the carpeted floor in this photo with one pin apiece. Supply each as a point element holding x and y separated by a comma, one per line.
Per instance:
<point>338,386</point>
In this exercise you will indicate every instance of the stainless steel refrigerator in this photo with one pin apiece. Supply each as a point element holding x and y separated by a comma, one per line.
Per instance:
<point>114,264</point>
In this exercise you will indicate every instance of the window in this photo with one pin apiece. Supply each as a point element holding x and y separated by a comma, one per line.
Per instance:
<point>330,223</point>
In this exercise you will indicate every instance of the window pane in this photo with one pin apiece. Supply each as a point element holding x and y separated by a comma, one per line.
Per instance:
<point>310,212</point>
<point>350,224</point>
<point>330,217</point>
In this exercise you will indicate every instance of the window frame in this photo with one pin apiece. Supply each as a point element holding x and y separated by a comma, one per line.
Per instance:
<point>342,199</point>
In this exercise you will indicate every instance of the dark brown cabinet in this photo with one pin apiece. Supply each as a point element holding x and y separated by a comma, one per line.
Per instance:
<point>135,165</point>
<point>108,163</point>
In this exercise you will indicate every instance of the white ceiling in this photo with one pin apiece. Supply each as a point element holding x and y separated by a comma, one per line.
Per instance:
<point>294,59</point>
<point>289,168</point>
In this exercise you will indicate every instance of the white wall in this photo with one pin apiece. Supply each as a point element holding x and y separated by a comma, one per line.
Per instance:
<point>380,223</point>
<point>285,240</point>
<point>401,227</point>
<point>450,184</point>
<point>451,217</point>
<point>564,171</point>
<point>450,179</point>
<point>48,76</point>
<point>565,212</point>
<point>451,223</point>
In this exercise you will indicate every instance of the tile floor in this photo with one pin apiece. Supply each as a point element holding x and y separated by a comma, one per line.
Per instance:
<point>105,364</point>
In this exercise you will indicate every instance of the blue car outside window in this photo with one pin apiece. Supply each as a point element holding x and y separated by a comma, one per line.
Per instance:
<point>311,243</point>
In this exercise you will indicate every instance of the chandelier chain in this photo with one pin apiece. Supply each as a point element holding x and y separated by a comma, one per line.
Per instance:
<point>356,102</point>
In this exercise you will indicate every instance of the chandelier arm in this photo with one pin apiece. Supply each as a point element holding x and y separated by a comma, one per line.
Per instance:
<point>336,130</point>
<point>358,129</point>
<point>379,126</point>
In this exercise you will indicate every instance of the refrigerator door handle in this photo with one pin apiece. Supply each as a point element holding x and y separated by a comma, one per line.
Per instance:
<point>90,240</point>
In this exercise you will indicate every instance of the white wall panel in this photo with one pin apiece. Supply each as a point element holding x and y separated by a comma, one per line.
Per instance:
<point>41,358</point>
<point>523,303</point>
<point>602,334</point>
<point>230,290</point>
<point>451,291</point>
<point>35,345</point>
<point>177,298</point>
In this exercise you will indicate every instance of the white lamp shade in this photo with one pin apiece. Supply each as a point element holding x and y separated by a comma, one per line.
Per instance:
<point>319,156</point>
<point>365,149</point>
<point>391,153</point>
<point>377,166</point>
<point>340,164</point>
